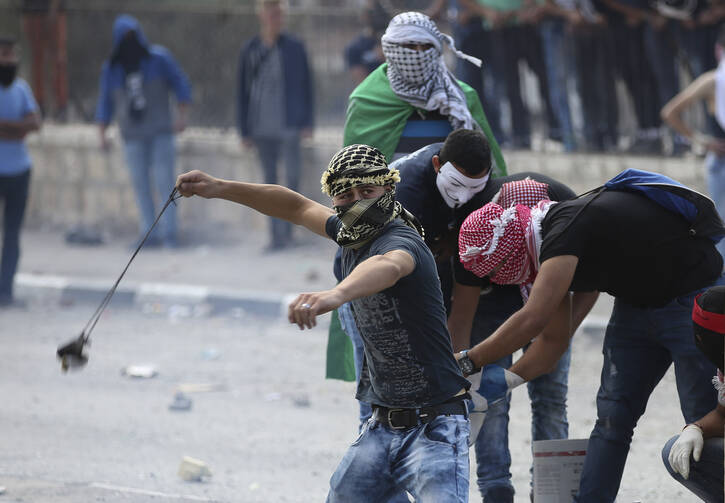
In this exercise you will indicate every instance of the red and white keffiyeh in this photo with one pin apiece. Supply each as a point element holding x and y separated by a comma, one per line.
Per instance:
<point>527,192</point>
<point>504,243</point>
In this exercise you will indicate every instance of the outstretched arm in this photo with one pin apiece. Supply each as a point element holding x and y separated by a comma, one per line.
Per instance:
<point>370,276</point>
<point>546,316</point>
<point>273,200</point>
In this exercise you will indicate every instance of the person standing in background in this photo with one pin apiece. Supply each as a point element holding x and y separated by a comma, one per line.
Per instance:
<point>364,53</point>
<point>18,117</point>
<point>709,88</point>
<point>275,106</point>
<point>137,81</point>
<point>45,27</point>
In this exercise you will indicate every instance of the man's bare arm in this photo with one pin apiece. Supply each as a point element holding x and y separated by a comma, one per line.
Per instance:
<point>548,298</point>
<point>273,200</point>
<point>19,129</point>
<point>713,422</point>
<point>702,88</point>
<point>463,310</point>
<point>581,304</point>
<point>370,276</point>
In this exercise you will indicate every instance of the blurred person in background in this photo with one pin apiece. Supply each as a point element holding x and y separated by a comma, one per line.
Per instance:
<point>137,82</point>
<point>515,38</point>
<point>364,53</point>
<point>19,115</point>
<point>594,63</point>
<point>45,28</point>
<point>475,38</point>
<point>644,42</point>
<point>702,440</point>
<point>552,18</point>
<point>275,107</point>
<point>710,89</point>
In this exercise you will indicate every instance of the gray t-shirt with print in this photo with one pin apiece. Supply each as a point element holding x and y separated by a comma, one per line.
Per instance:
<point>408,359</point>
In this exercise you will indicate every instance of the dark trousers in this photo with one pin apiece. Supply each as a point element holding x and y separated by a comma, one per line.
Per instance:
<point>514,44</point>
<point>486,81</point>
<point>596,86</point>
<point>14,193</point>
<point>632,66</point>
<point>269,150</point>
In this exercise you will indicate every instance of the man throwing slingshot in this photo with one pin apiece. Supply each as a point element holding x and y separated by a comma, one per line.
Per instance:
<point>417,437</point>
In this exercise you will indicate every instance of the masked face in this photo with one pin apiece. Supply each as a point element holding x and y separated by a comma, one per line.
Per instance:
<point>414,66</point>
<point>456,188</point>
<point>363,219</point>
<point>7,73</point>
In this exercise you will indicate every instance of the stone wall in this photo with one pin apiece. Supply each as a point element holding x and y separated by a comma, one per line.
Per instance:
<point>74,182</point>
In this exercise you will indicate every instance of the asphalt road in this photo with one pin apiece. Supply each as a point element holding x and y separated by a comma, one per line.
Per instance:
<point>271,429</point>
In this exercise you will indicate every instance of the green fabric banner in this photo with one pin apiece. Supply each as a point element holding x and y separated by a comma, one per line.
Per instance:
<point>340,359</point>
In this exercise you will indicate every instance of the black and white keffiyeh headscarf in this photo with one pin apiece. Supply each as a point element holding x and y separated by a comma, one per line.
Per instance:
<point>363,220</point>
<point>421,77</point>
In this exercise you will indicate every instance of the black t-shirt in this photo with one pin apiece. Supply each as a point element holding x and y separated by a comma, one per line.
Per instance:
<point>629,247</point>
<point>408,359</point>
<point>557,192</point>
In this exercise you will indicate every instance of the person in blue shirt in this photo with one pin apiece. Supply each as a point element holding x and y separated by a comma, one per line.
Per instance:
<point>137,82</point>
<point>18,116</point>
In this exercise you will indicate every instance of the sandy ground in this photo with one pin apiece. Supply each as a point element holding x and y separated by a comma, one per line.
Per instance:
<point>274,432</point>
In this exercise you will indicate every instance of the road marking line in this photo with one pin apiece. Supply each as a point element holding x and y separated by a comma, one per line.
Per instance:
<point>145,492</point>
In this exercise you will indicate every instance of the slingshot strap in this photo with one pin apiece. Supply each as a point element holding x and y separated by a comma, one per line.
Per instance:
<point>86,333</point>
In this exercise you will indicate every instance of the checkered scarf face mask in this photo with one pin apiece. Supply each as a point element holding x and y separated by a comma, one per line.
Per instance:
<point>421,78</point>
<point>492,243</point>
<point>363,220</point>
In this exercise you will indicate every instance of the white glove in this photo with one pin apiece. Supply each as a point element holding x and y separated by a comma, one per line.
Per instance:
<point>477,407</point>
<point>690,442</point>
<point>490,385</point>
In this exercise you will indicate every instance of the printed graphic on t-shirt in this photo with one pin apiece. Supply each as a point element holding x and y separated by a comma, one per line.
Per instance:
<point>380,324</point>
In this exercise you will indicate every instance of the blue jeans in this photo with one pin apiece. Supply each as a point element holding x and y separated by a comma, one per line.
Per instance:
<point>14,192</point>
<point>559,65</point>
<point>706,475</point>
<point>547,393</point>
<point>715,179</point>
<point>347,322</point>
<point>151,164</point>
<point>639,347</point>
<point>269,150</point>
<point>429,461</point>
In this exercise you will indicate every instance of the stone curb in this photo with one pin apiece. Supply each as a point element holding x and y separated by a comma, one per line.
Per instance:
<point>160,296</point>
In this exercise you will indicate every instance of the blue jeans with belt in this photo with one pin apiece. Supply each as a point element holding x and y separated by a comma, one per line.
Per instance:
<point>547,393</point>
<point>429,461</point>
<point>14,193</point>
<point>151,165</point>
<point>706,476</point>
<point>640,344</point>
